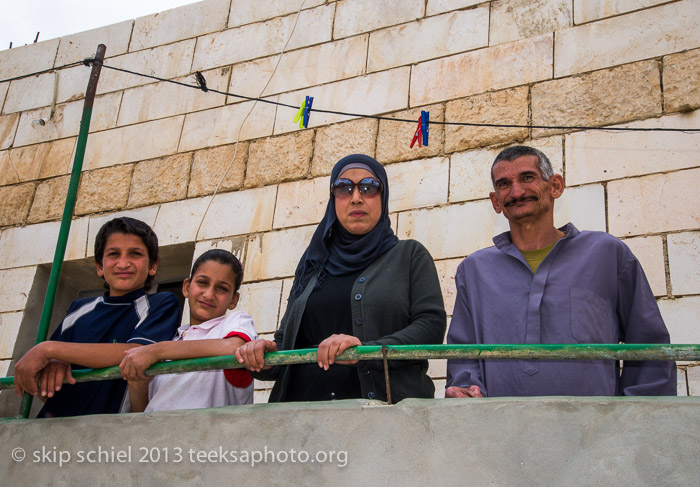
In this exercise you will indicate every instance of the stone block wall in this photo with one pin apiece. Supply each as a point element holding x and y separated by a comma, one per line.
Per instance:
<point>157,151</point>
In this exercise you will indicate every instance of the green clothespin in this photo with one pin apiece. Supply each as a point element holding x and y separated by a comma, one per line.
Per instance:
<point>299,117</point>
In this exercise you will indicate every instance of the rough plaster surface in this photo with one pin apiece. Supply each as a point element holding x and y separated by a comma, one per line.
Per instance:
<point>519,442</point>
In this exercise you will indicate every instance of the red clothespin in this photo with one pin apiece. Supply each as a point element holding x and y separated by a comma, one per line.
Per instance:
<point>421,133</point>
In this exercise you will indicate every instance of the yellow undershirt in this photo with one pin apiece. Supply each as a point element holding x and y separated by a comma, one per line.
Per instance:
<point>535,257</point>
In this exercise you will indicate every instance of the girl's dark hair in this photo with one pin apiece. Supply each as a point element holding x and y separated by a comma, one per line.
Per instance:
<point>222,257</point>
<point>128,226</point>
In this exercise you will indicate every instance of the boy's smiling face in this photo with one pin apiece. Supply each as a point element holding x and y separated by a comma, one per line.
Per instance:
<point>125,264</point>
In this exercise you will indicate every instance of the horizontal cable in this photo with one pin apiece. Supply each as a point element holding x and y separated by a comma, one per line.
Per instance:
<point>567,351</point>
<point>87,62</point>
<point>391,119</point>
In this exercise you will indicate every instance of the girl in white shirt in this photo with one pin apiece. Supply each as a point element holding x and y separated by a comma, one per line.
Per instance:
<point>211,291</point>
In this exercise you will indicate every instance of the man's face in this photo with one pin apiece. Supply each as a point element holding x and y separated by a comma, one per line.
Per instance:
<point>521,193</point>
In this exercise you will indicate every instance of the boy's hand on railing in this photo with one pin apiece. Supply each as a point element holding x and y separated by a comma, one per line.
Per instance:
<point>252,354</point>
<point>471,391</point>
<point>27,370</point>
<point>333,346</point>
<point>52,376</point>
<point>135,362</point>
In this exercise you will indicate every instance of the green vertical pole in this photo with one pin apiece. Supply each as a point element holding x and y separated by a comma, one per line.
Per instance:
<point>60,252</point>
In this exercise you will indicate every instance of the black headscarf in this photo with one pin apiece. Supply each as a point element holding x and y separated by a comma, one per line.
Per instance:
<point>337,251</point>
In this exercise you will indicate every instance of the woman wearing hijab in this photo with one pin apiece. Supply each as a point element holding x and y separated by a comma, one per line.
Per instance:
<point>356,284</point>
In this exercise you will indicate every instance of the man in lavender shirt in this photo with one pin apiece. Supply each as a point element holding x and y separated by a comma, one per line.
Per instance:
<point>542,284</point>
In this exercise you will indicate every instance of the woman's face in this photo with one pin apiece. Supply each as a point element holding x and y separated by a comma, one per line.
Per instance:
<point>357,213</point>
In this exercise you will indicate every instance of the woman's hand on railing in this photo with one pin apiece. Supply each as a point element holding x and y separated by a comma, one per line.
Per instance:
<point>333,346</point>
<point>252,354</point>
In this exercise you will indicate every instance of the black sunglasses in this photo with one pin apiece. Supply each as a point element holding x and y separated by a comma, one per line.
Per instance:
<point>343,188</point>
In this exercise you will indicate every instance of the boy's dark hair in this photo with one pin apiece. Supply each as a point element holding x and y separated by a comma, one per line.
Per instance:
<point>222,257</point>
<point>128,226</point>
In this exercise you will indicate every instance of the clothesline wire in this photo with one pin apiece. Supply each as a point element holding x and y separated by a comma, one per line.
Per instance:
<point>86,62</point>
<point>89,61</point>
<point>391,119</point>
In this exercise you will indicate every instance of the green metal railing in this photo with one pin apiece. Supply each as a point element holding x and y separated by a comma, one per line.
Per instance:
<point>418,352</point>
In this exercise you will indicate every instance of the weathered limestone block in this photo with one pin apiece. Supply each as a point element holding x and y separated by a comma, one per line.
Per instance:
<point>263,39</point>
<point>3,90</point>
<point>49,200</point>
<point>446,270</point>
<point>693,374</point>
<point>520,19</point>
<point>440,6</point>
<point>36,161</point>
<point>650,253</point>
<point>584,206</point>
<point>528,61</point>
<point>429,38</point>
<point>178,221</point>
<point>264,259</point>
<point>66,120</point>
<point>333,142</point>
<point>500,107</point>
<point>36,244</point>
<point>160,180</point>
<point>358,16</point>
<point>104,189</point>
<point>16,201</point>
<point>627,38</point>
<point>209,166</point>
<point>382,92</point>
<point>602,156</point>
<point>239,213</point>
<point>8,128</point>
<point>684,262</point>
<point>160,100</point>
<point>470,172</point>
<point>604,97</point>
<point>417,184</point>
<point>394,138</point>
<point>277,159</point>
<point>652,204</point>
<point>682,81</point>
<point>262,301</point>
<point>590,10</point>
<point>18,283</point>
<point>168,61</point>
<point>25,59</point>
<point>179,23</point>
<point>681,318</point>
<point>301,202</point>
<point>76,47</point>
<point>29,93</point>
<point>246,12</point>
<point>133,143</point>
<point>325,63</point>
<point>448,231</point>
<point>9,327</point>
<point>219,126</point>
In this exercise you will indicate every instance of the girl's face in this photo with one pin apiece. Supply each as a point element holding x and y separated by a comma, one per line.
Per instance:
<point>210,292</point>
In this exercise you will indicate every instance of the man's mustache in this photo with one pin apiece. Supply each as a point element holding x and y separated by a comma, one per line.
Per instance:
<point>522,199</point>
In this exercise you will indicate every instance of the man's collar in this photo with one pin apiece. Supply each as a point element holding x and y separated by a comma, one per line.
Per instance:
<point>504,239</point>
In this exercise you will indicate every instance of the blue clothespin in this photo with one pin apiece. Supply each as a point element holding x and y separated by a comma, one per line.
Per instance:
<point>307,110</point>
<point>421,134</point>
<point>302,115</point>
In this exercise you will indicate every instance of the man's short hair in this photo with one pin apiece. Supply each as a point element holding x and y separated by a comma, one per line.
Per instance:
<point>512,153</point>
<point>128,226</point>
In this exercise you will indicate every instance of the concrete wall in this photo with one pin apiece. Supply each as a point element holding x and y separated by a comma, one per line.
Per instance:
<point>157,151</point>
<point>503,442</point>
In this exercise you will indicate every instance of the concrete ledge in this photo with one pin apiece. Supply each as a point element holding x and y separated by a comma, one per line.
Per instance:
<point>530,441</point>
